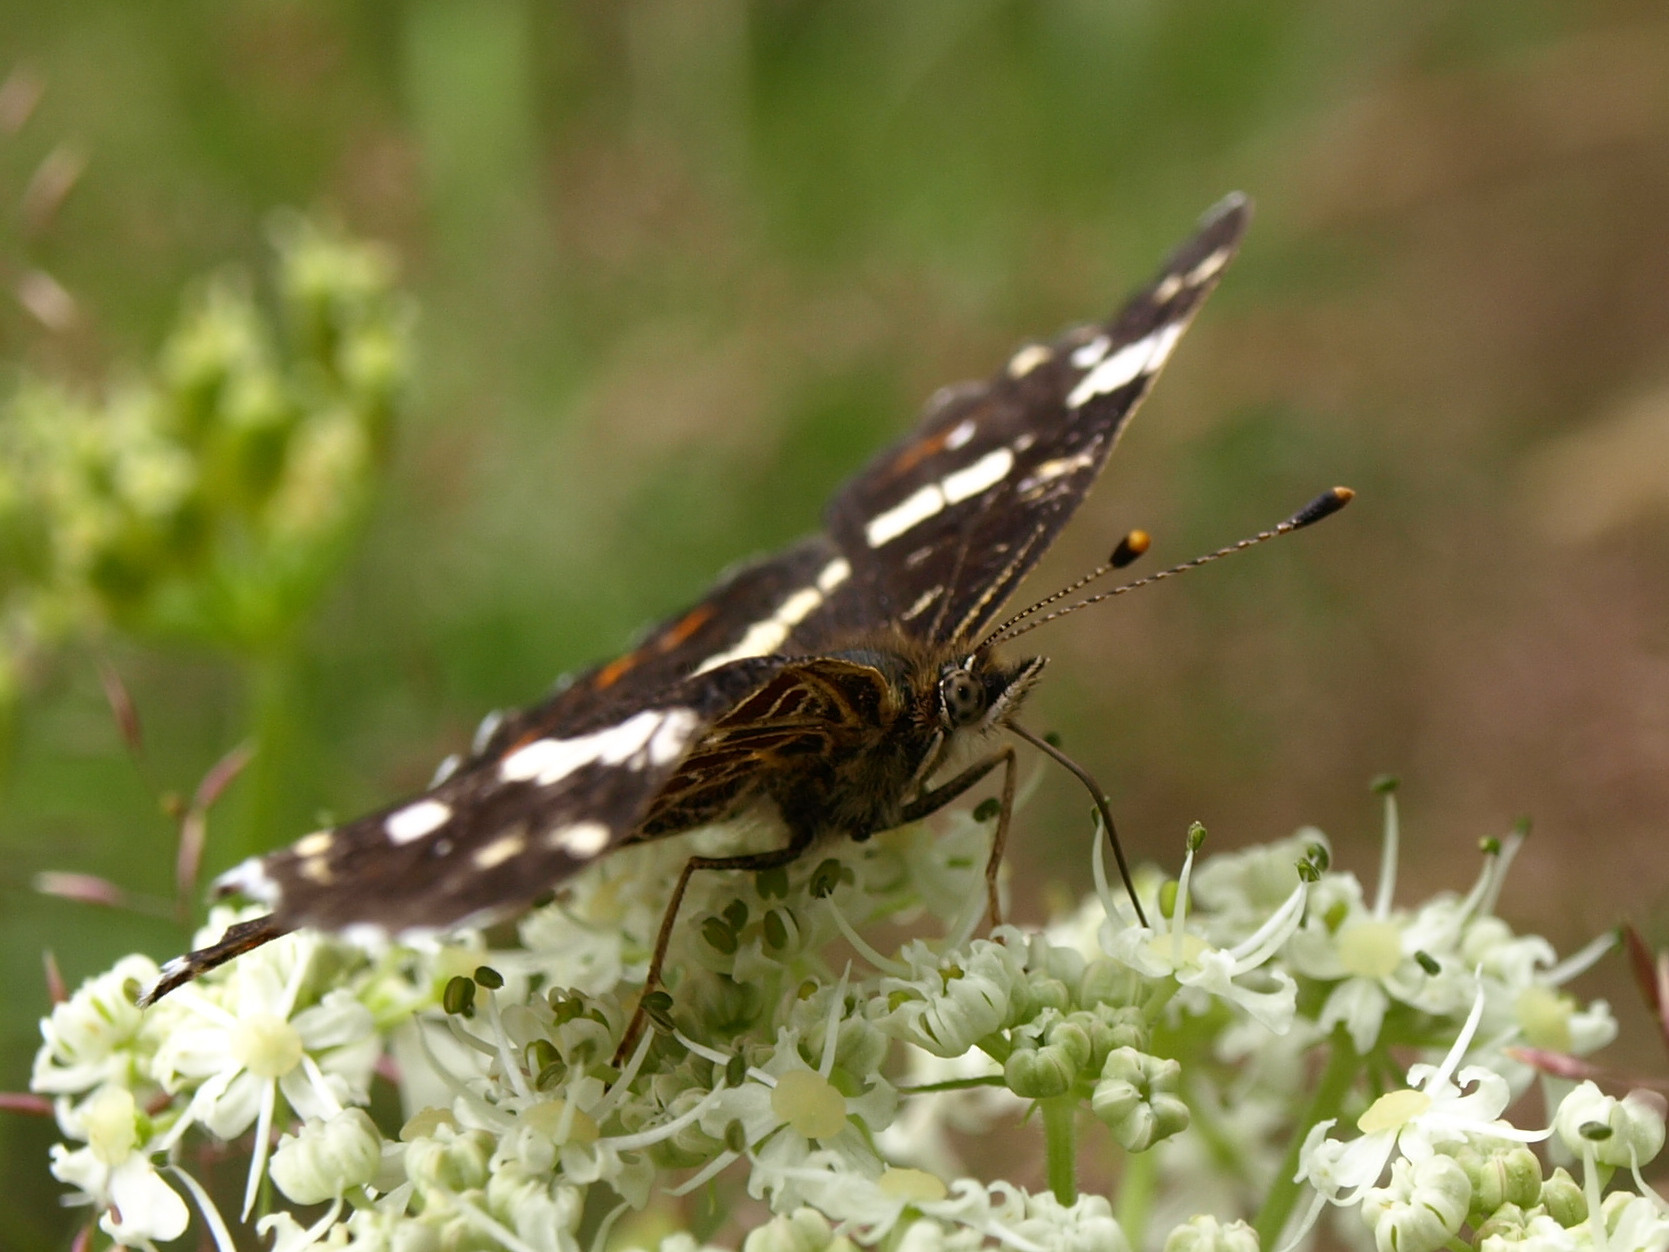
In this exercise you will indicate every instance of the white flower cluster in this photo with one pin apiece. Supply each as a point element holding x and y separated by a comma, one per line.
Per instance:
<point>805,1101</point>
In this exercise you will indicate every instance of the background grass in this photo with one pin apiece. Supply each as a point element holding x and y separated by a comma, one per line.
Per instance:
<point>683,267</point>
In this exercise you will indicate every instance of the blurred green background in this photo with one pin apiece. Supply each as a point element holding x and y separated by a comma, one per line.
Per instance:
<point>682,267</point>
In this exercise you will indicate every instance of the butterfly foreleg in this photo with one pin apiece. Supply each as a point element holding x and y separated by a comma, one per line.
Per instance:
<point>934,800</point>
<point>799,840</point>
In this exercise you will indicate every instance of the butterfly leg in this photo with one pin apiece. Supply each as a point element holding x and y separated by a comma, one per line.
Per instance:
<point>934,800</point>
<point>799,840</point>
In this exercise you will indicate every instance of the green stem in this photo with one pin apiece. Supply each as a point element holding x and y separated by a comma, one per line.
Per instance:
<point>1060,1139</point>
<point>1136,1189</point>
<point>953,1084</point>
<point>272,714</point>
<point>1343,1065</point>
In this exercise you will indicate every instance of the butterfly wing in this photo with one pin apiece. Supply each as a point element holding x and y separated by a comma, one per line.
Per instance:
<point>932,537</point>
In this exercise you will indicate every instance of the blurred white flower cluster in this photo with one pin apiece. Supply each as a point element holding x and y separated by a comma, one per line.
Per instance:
<point>1228,1077</point>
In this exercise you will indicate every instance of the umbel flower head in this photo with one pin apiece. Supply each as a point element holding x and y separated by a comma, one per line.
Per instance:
<point>810,1087</point>
<point>209,499</point>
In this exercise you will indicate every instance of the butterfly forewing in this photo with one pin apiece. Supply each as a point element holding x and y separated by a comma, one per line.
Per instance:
<point>941,527</point>
<point>503,829</point>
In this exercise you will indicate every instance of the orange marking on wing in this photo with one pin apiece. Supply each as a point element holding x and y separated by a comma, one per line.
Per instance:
<point>684,627</point>
<point>614,671</point>
<point>916,453</point>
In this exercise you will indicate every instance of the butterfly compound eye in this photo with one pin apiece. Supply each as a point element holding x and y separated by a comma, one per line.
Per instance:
<point>962,698</point>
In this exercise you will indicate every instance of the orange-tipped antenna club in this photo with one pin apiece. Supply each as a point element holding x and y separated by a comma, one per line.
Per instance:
<point>1130,549</point>
<point>1324,505</point>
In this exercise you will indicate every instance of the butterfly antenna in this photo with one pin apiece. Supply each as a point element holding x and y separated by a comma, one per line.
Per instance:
<point>1100,798</point>
<point>1129,549</point>
<point>1324,505</point>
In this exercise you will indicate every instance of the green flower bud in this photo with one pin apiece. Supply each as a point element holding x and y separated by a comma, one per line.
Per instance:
<point>528,1204</point>
<point>1039,993</point>
<point>1109,984</point>
<point>1111,1028</point>
<point>1072,1038</point>
<point>1618,1132</point>
<point>1035,1073</point>
<point>1135,1098</point>
<point>450,1160</point>
<point>327,1157</point>
<point>1508,1224</point>
<point>804,1230</point>
<point>1563,1198</point>
<point>1423,1206</point>
<point>1512,1175</point>
<point>1206,1234</point>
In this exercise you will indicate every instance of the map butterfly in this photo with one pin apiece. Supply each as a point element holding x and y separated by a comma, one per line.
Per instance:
<point>832,680</point>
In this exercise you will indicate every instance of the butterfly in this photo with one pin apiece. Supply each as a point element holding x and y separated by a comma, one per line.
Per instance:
<point>834,681</point>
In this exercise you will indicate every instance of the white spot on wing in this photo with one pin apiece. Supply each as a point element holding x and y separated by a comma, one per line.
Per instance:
<point>1053,469</point>
<point>985,472</point>
<point>797,606</point>
<point>485,731</point>
<point>929,501</point>
<point>447,768</point>
<point>1167,288</point>
<point>764,638</point>
<point>250,879</point>
<point>500,850</point>
<point>548,761</point>
<point>833,574</point>
<point>582,840</point>
<point>960,434</point>
<point>673,736</point>
<point>1091,352</point>
<point>922,601</point>
<point>1133,361</point>
<point>912,511</point>
<point>315,844</point>
<point>1027,359</point>
<point>1208,268</point>
<point>417,820</point>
